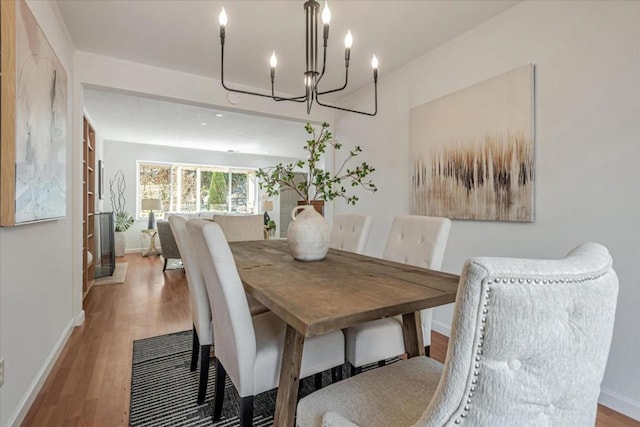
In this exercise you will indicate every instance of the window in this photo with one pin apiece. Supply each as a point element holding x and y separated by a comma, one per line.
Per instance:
<point>191,188</point>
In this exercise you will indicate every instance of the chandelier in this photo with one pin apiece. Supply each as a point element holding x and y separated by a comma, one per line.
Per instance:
<point>313,75</point>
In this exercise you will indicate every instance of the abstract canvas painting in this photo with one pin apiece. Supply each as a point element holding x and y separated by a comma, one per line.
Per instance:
<point>472,151</point>
<point>41,119</point>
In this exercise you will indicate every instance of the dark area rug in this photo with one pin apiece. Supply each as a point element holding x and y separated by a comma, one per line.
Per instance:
<point>164,390</point>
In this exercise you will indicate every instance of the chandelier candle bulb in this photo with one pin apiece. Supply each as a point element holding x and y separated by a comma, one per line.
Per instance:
<point>348,40</point>
<point>273,62</point>
<point>374,65</point>
<point>326,19</point>
<point>326,14</point>
<point>222,20</point>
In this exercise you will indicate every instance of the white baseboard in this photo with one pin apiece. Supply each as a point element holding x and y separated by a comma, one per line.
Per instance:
<point>619,403</point>
<point>441,328</point>
<point>79,319</point>
<point>34,388</point>
<point>133,250</point>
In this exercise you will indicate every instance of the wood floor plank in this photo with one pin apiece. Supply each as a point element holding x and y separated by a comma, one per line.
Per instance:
<point>90,383</point>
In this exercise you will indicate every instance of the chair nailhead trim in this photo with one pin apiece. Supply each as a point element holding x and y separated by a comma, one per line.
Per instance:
<point>476,373</point>
<point>483,319</point>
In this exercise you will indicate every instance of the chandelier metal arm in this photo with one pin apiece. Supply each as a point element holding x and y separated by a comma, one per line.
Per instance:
<point>346,80</point>
<point>354,111</point>
<point>281,98</point>
<point>324,64</point>
<point>302,98</point>
<point>324,54</point>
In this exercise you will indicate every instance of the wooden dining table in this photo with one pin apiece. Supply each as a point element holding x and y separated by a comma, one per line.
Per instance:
<point>342,290</point>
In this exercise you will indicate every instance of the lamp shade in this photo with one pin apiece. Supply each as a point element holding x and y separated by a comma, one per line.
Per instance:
<point>267,205</point>
<point>151,204</point>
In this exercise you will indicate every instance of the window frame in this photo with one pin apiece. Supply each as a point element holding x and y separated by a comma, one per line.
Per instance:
<point>176,187</point>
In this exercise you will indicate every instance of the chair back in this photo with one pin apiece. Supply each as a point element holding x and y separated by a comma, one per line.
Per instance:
<point>240,228</point>
<point>529,342</point>
<point>234,339</point>
<point>350,232</point>
<point>200,307</point>
<point>418,240</point>
<point>167,240</point>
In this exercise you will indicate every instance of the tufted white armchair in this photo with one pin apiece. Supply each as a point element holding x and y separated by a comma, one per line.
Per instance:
<point>350,232</point>
<point>413,240</point>
<point>529,344</point>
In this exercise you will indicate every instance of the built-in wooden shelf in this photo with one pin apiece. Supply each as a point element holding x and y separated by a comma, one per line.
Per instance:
<point>88,220</point>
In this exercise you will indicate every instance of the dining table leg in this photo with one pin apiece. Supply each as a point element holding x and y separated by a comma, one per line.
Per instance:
<point>289,378</point>
<point>412,333</point>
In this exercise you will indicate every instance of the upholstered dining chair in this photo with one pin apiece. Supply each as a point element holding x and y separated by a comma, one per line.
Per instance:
<point>248,349</point>
<point>414,240</point>
<point>200,306</point>
<point>529,344</point>
<point>350,232</point>
<point>168,243</point>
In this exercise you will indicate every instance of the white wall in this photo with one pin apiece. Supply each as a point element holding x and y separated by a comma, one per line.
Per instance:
<point>124,155</point>
<point>35,270</point>
<point>587,58</point>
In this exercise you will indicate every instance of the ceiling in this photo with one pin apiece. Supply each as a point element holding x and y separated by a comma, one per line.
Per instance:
<point>184,35</point>
<point>133,118</point>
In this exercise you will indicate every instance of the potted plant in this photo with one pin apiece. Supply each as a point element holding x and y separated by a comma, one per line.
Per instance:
<point>308,235</point>
<point>121,218</point>
<point>271,228</point>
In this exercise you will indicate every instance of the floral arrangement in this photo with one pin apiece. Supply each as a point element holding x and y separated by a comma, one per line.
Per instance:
<point>122,219</point>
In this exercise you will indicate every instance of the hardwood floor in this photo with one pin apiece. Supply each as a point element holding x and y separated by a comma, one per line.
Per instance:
<point>90,383</point>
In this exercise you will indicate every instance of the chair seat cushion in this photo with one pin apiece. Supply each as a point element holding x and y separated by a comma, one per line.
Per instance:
<point>319,353</point>
<point>381,397</point>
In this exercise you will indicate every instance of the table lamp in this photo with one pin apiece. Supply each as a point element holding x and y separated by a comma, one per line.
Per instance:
<point>151,205</point>
<point>267,205</point>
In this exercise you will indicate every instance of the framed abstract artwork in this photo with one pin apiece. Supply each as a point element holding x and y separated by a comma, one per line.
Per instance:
<point>33,124</point>
<point>472,152</point>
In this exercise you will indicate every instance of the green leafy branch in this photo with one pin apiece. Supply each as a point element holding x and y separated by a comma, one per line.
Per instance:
<point>320,185</point>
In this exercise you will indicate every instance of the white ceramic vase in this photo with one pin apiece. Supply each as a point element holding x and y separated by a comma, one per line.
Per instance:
<point>120,243</point>
<point>308,234</point>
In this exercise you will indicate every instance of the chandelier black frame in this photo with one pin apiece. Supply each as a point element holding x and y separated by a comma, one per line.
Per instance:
<point>312,75</point>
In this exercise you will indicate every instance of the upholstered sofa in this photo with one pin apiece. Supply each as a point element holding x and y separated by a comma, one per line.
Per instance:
<point>235,227</point>
<point>192,215</point>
